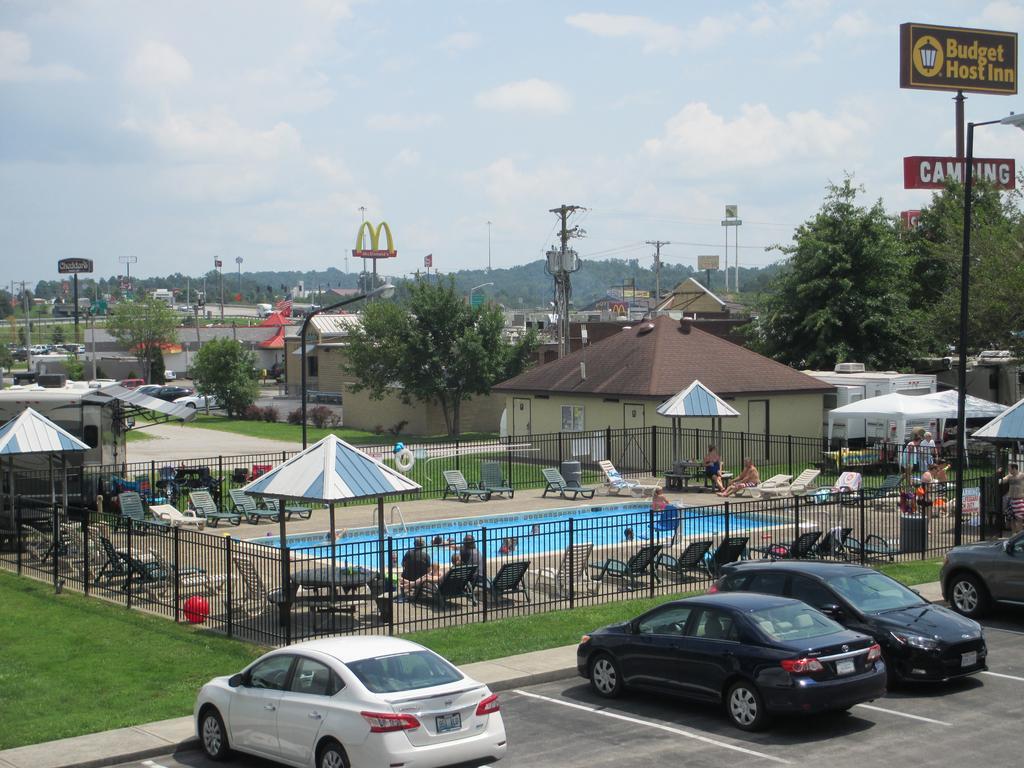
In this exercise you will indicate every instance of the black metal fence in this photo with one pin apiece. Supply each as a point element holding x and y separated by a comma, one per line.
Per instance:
<point>643,451</point>
<point>469,570</point>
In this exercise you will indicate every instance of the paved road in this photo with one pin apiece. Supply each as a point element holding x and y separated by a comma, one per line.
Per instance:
<point>564,725</point>
<point>174,441</point>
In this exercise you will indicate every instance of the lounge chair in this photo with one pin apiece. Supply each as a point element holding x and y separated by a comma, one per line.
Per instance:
<point>166,513</point>
<point>775,483</point>
<point>206,507</point>
<point>799,487</point>
<point>492,481</point>
<point>245,504</point>
<point>133,513</point>
<point>555,482</point>
<point>509,580</point>
<point>802,547</point>
<point>872,548</point>
<point>114,566</point>
<point>691,562</point>
<point>303,512</point>
<point>191,579</point>
<point>456,485</point>
<point>615,483</point>
<point>889,486</point>
<point>572,572</point>
<point>253,599</point>
<point>666,523</point>
<point>640,564</point>
<point>457,582</point>
<point>729,551</point>
<point>833,544</point>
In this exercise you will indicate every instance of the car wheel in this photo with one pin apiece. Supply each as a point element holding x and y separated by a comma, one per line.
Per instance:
<point>968,596</point>
<point>190,405</point>
<point>605,677</point>
<point>746,707</point>
<point>331,755</point>
<point>212,735</point>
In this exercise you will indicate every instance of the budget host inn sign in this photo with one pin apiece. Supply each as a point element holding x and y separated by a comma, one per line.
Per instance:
<point>956,59</point>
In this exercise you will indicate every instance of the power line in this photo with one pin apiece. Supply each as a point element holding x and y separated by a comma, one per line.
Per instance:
<point>657,266</point>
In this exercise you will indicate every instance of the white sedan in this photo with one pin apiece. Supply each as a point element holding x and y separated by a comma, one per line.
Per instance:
<point>201,402</point>
<point>351,701</point>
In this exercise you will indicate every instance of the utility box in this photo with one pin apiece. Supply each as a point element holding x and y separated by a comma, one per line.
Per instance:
<point>572,472</point>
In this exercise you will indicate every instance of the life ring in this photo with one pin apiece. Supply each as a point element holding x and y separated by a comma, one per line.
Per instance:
<point>404,459</point>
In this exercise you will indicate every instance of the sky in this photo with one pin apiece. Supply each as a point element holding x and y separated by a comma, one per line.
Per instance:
<point>176,132</point>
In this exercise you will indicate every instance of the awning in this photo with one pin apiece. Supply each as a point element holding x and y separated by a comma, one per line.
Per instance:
<point>138,404</point>
<point>274,342</point>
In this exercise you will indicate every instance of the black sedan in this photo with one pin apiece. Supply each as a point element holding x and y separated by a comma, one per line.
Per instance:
<point>920,641</point>
<point>758,655</point>
<point>170,393</point>
<point>976,575</point>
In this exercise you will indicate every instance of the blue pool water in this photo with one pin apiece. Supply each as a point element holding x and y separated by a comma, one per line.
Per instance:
<point>529,532</point>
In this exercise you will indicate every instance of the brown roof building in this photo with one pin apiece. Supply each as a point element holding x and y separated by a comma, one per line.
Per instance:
<point>619,382</point>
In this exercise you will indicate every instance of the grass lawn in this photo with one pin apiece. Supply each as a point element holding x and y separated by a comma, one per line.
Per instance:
<point>137,436</point>
<point>75,665</point>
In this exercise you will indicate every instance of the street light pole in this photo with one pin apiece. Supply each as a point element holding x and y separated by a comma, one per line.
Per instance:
<point>238,261</point>
<point>385,291</point>
<point>488,247</point>
<point>965,283</point>
<point>482,285</point>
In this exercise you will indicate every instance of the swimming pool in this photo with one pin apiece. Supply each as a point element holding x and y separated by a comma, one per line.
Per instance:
<point>529,533</point>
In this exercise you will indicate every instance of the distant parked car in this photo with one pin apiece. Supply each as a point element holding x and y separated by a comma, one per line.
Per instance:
<point>757,655</point>
<point>920,641</point>
<point>132,383</point>
<point>365,701</point>
<point>170,393</point>
<point>148,389</point>
<point>974,576</point>
<point>201,402</point>
<point>170,375</point>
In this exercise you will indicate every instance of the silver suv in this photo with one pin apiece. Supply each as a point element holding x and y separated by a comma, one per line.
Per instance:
<point>974,576</point>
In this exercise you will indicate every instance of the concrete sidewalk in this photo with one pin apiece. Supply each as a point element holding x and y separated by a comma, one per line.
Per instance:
<point>139,742</point>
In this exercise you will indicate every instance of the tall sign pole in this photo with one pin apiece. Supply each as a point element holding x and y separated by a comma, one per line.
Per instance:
<point>76,267</point>
<point>731,220</point>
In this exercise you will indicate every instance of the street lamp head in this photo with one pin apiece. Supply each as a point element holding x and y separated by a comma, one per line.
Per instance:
<point>385,291</point>
<point>1015,120</point>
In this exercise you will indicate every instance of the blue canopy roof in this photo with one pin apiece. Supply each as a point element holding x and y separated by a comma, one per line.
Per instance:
<point>331,470</point>
<point>31,432</point>
<point>1009,425</point>
<point>696,400</point>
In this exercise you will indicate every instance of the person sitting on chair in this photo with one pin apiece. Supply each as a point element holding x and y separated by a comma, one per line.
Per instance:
<point>713,468</point>
<point>415,565</point>
<point>749,478</point>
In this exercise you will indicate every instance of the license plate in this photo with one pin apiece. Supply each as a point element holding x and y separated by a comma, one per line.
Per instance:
<point>845,667</point>
<point>449,723</point>
<point>968,659</point>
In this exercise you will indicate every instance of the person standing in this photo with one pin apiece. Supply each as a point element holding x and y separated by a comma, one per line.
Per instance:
<point>1014,482</point>
<point>926,452</point>
<point>659,501</point>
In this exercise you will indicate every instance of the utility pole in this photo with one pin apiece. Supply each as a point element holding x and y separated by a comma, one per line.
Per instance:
<point>657,268</point>
<point>488,247</point>
<point>560,265</point>
<point>28,323</point>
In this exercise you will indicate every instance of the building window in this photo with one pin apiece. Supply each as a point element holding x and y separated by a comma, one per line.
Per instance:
<point>313,364</point>
<point>572,418</point>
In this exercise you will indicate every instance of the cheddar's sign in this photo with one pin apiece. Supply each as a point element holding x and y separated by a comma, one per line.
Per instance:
<point>956,59</point>
<point>374,251</point>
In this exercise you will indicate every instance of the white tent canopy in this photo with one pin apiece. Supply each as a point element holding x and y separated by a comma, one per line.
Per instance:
<point>903,408</point>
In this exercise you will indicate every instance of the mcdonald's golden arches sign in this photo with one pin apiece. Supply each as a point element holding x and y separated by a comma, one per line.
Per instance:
<point>374,251</point>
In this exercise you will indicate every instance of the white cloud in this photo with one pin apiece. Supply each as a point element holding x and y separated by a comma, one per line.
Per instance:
<point>332,10</point>
<point>406,158</point>
<point>1002,15</point>
<point>460,41</point>
<point>533,95</point>
<point>855,24</point>
<point>331,168</point>
<point>655,35</point>
<point>504,182</point>
<point>218,136</point>
<point>702,143</point>
<point>400,122</point>
<point>156,63</point>
<point>15,58</point>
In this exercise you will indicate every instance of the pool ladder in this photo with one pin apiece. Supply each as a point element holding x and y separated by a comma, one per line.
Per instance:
<point>396,510</point>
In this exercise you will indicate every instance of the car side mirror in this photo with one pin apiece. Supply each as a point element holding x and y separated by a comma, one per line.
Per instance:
<point>832,610</point>
<point>236,680</point>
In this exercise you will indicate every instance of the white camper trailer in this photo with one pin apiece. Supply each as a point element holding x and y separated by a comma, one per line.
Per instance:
<point>853,384</point>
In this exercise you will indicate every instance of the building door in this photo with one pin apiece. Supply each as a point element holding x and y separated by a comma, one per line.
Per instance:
<point>521,416</point>
<point>635,442</point>
<point>758,427</point>
<point>633,416</point>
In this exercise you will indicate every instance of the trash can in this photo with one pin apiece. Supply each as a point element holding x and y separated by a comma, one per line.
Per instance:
<point>572,473</point>
<point>913,533</point>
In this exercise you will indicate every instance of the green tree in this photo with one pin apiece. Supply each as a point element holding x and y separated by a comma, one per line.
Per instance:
<point>843,292</point>
<point>75,368</point>
<point>57,335</point>
<point>143,326</point>
<point>436,348</point>
<point>224,368</point>
<point>997,268</point>
<point>6,362</point>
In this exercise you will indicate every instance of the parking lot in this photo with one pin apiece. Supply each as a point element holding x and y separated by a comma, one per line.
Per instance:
<point>564,725</point>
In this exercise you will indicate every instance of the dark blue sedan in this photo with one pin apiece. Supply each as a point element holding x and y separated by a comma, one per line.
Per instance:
<point>758,655</point>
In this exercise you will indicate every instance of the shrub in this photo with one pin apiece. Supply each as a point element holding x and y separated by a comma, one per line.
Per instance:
<point>270,413</point>
<point>320,416</point>
<point>335,420</point>
<point>396,429</point>
<point>252,413</point>
<point>295,417</point>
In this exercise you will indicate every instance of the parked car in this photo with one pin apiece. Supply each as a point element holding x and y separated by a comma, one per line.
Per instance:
<point>758,655</point>
<point>132,383</point>
<point>170,375</point>
<point>170,392</point>
<point>974,576</point>
<point>919,640</point>
<point>198,401</point>
<point>357,700</point>
<point>148,389</point>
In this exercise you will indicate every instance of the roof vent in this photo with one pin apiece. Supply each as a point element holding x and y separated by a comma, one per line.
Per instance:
<point>849,368</point>
<point>644,329</point>
<point>52,380</point>
<point>685,325</point>
<point>583,371</point>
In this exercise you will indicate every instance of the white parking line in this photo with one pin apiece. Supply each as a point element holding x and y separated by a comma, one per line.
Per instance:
<point>1008,677</point>
<point>151,764</point>
<point>657,726</point>
<point>903,714</point>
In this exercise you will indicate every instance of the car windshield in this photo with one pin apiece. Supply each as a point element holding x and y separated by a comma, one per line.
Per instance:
<point>793,622</point>
<point>874,592</point>
<point>404,671</point>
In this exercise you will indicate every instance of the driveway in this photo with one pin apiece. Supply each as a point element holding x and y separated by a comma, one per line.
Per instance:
<point>179,442</point>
